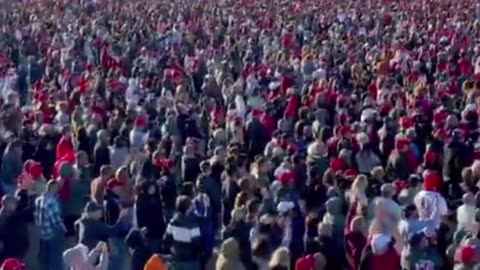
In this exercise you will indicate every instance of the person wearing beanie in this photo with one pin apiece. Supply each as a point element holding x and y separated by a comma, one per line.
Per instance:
<point>430,203</point>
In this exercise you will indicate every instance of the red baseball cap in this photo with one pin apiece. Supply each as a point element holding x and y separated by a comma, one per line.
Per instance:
<point>12,264</point>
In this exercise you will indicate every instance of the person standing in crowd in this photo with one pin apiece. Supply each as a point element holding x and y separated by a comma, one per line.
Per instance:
<point>11,165</point>
<point>99,185</point>
<point>14,237</point>
<point>101,152</point>
<point>229,257</point>
<point>80,257</point>
<point>148,202</point>
<point>48,217</point>
<point>183,237</point>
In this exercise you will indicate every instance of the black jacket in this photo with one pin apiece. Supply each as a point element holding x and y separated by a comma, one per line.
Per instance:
<point>141,253</point>
<point>13,234</point>
<point>101,156</point>
<point>183,238</point>
<point>149,211</point>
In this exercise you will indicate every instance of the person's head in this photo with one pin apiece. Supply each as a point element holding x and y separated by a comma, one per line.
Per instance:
<point>205,167</point>
<point>102,136</point>
<point>387,190</point>
<point>106,172</point>
<point>467,175</point>
<point>241,199</point>
<point>119,142</point>
<point>468,199</point>
<point>378,173</point>
<point>360,183</point>
<point>67,131</point>
<point>410,211</point>
<point>52,186</point>
<point>82,158</point>
<point>122,174</point>
<point>280,259</point>
<point>9,203</point>
<point>93,210</point>
<point>244,184</point>
<point>262,165</point>
<point>417,240</point>
<point>183,205</point>
<point>219,152</point>
<point>238,215</point>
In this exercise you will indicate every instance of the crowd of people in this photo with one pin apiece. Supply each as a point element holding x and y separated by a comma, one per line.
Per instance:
<point>240,135</point>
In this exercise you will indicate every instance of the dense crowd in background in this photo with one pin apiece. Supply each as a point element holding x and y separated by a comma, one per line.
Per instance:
<point>240,135</point>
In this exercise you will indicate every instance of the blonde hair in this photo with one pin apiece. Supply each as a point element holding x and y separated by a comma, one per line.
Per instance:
<point>360,183</point>
<point>280,257</point>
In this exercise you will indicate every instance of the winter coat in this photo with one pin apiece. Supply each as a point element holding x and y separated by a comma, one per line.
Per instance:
<point>101,156</point>
<point>149,212</point>
<point>141,253</point>
<point>12,166</point>
<point>13,234</point>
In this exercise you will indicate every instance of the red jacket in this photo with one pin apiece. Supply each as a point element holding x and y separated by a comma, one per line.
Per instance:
<point>64,146</point>
<point>389,260</point>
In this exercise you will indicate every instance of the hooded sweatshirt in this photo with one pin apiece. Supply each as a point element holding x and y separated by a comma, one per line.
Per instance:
<point>229,258</point>
<point>78,258</point>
